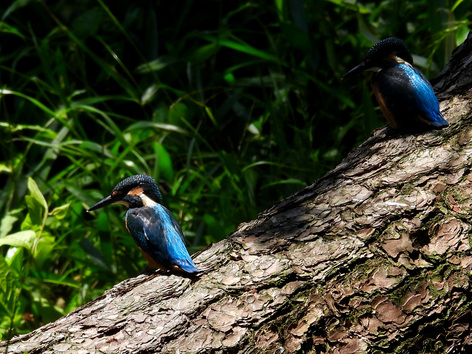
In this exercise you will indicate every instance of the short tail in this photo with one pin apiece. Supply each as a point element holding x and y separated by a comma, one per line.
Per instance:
<point>433,119</point>
<point>186,266</point>
<point>439,122</point>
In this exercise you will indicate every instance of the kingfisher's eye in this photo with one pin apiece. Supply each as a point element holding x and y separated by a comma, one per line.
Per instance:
<point>116,194</point>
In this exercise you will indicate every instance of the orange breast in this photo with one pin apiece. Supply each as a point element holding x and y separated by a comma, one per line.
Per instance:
<point>152,263</point>
<point>383,106</point>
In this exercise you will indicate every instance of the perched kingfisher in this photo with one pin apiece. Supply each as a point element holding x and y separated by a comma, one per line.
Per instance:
<point>403,92</point>
<point>152,226</point>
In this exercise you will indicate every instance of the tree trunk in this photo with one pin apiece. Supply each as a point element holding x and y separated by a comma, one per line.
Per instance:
<point>373,257</point>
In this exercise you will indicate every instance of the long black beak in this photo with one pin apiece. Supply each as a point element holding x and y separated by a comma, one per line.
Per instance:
<point>356,69</point>
<point>102,203</point>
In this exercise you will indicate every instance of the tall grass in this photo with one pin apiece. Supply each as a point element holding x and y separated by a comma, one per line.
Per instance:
<point>229,110</point>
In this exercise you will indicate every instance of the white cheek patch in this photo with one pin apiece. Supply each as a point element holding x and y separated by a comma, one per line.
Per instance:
<point>374,69</point>
<point>122,202</point>
<point>148,202</point>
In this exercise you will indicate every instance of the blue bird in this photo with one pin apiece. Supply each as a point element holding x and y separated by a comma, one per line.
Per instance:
<point>153,227</point>
<point>404,94</point>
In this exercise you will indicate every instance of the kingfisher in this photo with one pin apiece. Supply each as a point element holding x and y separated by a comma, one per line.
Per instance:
<point>153,227</point>
<point>403,92</point>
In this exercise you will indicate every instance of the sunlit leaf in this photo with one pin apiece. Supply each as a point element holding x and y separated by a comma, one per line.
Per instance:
<point>8,221</point>
<point>19,239</point>
<point>36,193</point>
<point>158,126</point>
<point>149,94</point>
<point>8,290</point>
<point>60,212</point>
<point>43,250</point>
<point>154,65</point>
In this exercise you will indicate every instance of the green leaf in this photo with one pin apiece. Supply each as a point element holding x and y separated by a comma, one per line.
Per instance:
<point>154,65</point>
<point>36,193</point>
<point>149,94</point>
<point>178,110</point>
<point>44,249</point>
<point>241,47</point>
<point>38,104</point>
<point>6,28</point>
<point>16,259</point>
<point>34,217</point>
<point>90,145</point>
<point>157,126</point>
<point>60,212</point>
<point>8,220</point>
<point>8,290</point>
<point>205,52</point>
<point>15,5</point>
<point>456,4</point>
<point>54,279</point>
<point>19,239</point>
<point>164,162</point>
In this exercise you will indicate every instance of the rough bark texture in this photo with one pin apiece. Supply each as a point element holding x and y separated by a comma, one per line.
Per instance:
<point>374,257</point>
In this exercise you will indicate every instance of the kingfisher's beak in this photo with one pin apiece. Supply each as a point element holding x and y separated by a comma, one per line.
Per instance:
<point>361,67</point>
<point>102,203</point>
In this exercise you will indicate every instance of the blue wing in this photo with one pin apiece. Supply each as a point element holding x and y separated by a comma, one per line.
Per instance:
<point>159,236</point>
<point>407,98</point>
<point>425,98</point>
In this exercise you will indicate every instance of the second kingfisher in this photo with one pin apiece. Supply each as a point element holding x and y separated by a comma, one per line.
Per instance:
<point>152,226</point>
<point>403,92</point>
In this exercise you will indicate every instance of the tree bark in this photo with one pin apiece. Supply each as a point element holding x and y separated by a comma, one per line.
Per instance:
<point>373,257</point>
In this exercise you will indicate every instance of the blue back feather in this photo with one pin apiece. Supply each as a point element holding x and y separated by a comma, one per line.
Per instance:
<point>157,233</point>
<point>407,98</point>
<point>425,98</point>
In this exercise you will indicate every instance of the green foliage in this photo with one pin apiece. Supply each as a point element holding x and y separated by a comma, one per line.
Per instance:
<point>229,110</point>
<point>25,270</point>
